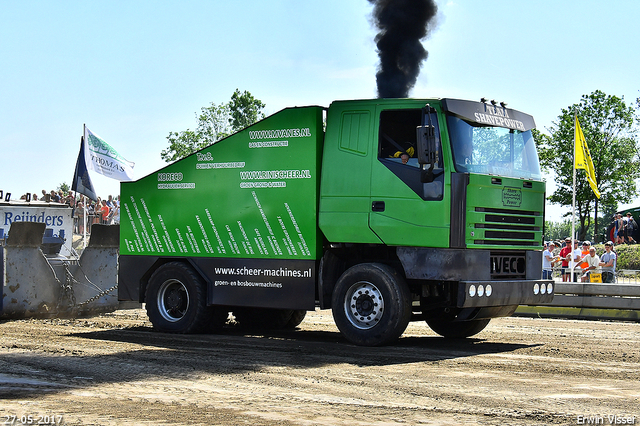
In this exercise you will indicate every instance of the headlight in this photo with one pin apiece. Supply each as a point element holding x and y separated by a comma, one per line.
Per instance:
<point>549,288</point>
<point>488,290</point>
<point>472,290</point>
<point>543,288</point>
<point>536,288</point>
<point>480,290</point>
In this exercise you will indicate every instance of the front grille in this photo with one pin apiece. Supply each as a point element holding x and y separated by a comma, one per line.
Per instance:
<point>506,227</point>
<point>506,243</point>
<point>509,219</point>
<point>509,235</point>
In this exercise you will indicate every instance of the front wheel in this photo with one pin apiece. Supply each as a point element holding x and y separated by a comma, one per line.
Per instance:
<point>457,330</point>
<point>371,304</point>
<point>176,299</point>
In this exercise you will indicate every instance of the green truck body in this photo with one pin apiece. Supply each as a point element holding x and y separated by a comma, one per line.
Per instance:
<point>384,210</point>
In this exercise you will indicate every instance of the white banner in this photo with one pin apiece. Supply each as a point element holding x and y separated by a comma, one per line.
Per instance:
<point>57,218</point>
<point>102,158</point>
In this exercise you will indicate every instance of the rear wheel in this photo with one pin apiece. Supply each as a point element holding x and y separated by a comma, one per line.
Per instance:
<point>457,330</point>
<point>176,299</point>
<point>371,304</point>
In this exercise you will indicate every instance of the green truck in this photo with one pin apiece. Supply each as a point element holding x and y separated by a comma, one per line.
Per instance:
<point>385,211</point>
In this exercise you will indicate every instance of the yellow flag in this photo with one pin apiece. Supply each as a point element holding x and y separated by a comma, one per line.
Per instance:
<point>583,158</point>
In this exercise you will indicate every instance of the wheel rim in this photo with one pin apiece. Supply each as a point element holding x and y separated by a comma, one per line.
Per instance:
<point>364,305</point>
<point>173,300</point>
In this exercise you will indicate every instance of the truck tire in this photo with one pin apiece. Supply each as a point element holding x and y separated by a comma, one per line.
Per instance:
<point>371,304</point>
<point>457,330</point>
<point>262,318</point>
<point>176,300</point>
<point>296,318</point>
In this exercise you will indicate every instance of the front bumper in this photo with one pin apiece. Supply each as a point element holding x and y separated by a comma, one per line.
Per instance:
<point>475,294</point>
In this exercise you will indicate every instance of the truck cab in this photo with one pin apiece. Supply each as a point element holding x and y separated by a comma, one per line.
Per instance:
<point>460,217</point>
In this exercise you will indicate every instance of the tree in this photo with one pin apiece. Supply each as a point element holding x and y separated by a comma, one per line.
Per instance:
<point>64,187</point>
<point>214,123</point>
<point>244,110</point>
<point>557,231</point>
<point>609,127</point>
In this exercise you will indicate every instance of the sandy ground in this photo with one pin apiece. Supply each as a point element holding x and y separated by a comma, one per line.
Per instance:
<point>115,370</point>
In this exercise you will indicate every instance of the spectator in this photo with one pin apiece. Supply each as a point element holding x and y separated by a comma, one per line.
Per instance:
<point>110,202</point>
<point>586,245</point>
<point>80,217</point>
<point>608,263</point>
<point>620,224</point>
<point>632,226</point>
<point>592,260</point>
<point>114,215</point>
<point>576,255</point>
<point>548,259</point>
<point>104,210</point>
<point>564,255</point>
<point>54,197</point>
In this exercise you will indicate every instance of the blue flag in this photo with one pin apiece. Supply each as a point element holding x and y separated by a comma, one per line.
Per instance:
<point>81,180</point>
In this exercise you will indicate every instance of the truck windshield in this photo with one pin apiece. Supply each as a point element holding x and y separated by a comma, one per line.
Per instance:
<point>493,150</point>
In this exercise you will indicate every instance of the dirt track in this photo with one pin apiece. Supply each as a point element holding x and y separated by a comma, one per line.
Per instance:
<point>114,370</point>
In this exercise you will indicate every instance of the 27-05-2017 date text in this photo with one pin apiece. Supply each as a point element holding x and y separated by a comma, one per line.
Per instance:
<point>31,419</point>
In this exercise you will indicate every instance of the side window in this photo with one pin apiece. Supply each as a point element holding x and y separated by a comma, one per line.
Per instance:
<point>397,136</point>
<point>397,151</point>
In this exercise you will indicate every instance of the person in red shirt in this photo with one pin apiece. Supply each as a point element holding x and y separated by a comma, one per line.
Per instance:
<point>105,211</point>
<point>566,251</point>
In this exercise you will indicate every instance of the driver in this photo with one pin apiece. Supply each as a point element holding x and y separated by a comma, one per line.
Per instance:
<point>406,154</point>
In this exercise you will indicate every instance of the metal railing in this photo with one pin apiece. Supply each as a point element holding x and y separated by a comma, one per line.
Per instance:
<point>585,300</point>
<point>623,276</point>
<point>628,276</point>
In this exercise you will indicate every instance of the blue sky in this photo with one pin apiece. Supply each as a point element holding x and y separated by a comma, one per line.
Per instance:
<point>134,71</point>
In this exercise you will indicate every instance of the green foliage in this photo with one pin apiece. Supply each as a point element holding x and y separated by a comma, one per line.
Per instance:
<point>557,231</point>
<point>609,126</point>
<point>182,144</point>
<point>628,256</point>
<point>64,188</point>
<point>245,110</point>
<point>214,123</point>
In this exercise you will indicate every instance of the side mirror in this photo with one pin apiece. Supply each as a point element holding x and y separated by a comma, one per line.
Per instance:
<point>427,146</point>
<point>427,150</point>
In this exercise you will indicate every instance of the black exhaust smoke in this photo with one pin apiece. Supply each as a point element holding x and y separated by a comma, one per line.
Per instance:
<point>402,24</point>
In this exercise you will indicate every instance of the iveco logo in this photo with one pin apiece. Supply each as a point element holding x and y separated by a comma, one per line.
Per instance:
<point>508,265</point>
